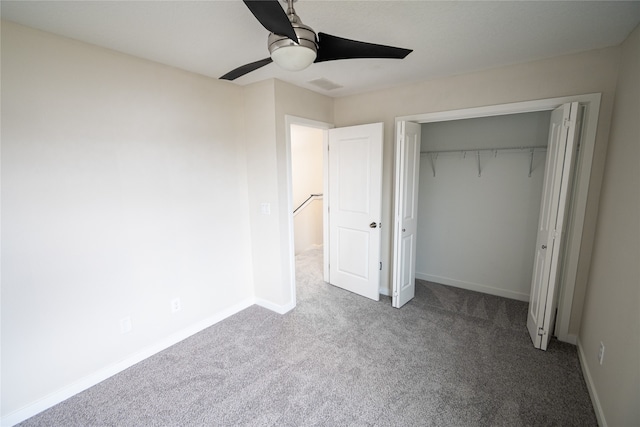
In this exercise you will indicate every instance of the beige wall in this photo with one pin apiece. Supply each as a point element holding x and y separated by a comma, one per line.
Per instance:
<point>123,187</point>
<point>126,184</point>
<point>612,305</point>
<point>260,139</point>
<point>306,162</point>
<point>590,72</point>
<point>266,105</point>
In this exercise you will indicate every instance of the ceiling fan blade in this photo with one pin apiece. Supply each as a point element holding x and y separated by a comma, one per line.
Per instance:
<point>245,69</point>
<point>331,48</point>
<point>272,17</point>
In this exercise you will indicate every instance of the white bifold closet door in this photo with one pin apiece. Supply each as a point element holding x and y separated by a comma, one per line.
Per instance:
<point>407,178</point>
<point>561,150</point>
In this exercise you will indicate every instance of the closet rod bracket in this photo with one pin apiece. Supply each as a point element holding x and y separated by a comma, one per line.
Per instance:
<point>433,157</point>
<point>531,162</point>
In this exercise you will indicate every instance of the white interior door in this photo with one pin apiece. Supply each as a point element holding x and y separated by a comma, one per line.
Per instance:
<point>407,172</point>
<point>355,208</point>
<point>555,197</point>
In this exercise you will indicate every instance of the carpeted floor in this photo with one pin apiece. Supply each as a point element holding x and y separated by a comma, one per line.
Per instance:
<point>450,357</point>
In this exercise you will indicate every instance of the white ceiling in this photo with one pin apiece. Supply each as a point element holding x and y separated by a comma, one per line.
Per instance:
<point>448,38</point>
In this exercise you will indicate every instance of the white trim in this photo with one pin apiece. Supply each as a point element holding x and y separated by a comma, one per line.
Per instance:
<point>499,109</point>
<point>477,287</point>
<point>395,264</point>
<point>595,401</point>
<point>291,260</point>
<point>83,384</point>
<point>575,225</point>
<point>325,206</point>
<point>581,182</point>
<point>280,309</point>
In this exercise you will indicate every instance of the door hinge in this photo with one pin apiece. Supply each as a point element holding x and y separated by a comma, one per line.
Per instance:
<point>541,331</point>
<point>380,266</point>
<point>567,123</point>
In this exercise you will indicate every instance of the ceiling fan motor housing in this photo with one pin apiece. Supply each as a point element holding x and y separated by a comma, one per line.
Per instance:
<point>306,39</point>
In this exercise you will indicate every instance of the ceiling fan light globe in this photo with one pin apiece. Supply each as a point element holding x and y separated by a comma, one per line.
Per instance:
<point>293,57</point>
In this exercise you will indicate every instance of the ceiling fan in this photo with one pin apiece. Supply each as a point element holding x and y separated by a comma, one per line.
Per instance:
<point>294,46</point>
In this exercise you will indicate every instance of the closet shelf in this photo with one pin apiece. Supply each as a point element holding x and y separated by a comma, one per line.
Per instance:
<point>531,150</point>
<point>537,148</point>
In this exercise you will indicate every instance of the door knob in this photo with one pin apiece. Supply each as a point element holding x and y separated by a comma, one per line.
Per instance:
<point>544,246</point>
<point>373,225</point>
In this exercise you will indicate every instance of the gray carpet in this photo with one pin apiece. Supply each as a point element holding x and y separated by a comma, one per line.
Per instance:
<point>450,357</point>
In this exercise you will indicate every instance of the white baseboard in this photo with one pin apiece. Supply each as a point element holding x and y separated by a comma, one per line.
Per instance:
<point>64,393</point>
<point>280,309</point>
<point>478,287</point>
<point>595,401</point>
<point>568,338</point>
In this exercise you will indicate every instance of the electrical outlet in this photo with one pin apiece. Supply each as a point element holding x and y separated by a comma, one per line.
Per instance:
<point>265,208</point>
<point>601,353</point>
<point>175,305</point>
<point>125,325</point>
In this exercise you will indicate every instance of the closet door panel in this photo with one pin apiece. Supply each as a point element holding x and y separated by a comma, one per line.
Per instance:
<point>407,181</point>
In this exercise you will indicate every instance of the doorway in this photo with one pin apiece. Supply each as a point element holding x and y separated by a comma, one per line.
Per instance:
<point>302,139</point>
<point>307,186</point>
<point>351,229</point>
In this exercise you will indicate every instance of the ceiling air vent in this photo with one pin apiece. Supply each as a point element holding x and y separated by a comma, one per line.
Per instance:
<point>325,84</point>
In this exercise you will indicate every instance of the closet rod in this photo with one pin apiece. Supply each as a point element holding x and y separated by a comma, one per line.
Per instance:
<point>537,148</point>
<point>433,155</point>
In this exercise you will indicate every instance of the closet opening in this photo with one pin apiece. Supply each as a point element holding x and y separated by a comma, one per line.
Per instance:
<point>478,186</point>
<point>479,198</point>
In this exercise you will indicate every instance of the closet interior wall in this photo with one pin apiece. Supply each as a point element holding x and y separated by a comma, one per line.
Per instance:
<point>480,192</point>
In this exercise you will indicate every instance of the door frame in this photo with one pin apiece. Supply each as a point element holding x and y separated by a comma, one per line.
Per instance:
<point>580,190</point>
<point>291,258</point>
